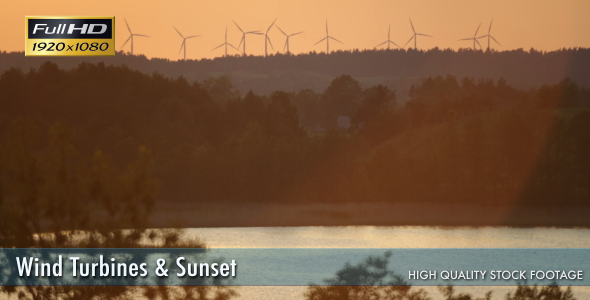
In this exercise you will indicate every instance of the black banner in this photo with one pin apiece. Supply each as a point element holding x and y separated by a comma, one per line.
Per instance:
<point>70,29</point>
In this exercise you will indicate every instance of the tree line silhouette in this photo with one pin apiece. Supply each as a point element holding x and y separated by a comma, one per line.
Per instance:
<point>455,141</point>
<point>397,69</point>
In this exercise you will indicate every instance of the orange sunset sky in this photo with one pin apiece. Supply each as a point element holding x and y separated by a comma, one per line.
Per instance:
<point>540,24</point>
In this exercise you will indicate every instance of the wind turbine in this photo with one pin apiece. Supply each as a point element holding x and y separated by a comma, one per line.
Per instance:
<point>474,38</point>
<point>267,39</point>
<point>243,40</point>
<point>131,35</point>
<point>489,35</point>
<point>226,43</point>
<point>184,41</point>
<point>327,38</point>
<point>415,36</point>
<point>288,36</point>
<point>389,42</point>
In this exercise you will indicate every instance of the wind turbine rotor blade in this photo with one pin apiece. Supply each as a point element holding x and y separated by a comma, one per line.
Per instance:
<point>490,29</point>
<point>232,46</point>
<point>238,26</point>
<point>381,44</point>
<point>243,37</point>
<point>467,39</point>
<point>495,40</point>
<point>128,28</point>
<point>479,37</point>
<point>389,31</point>
<point>218,46</point>
<point>193,36</point>
<point>336,40</point>
<point>178,32</point>
<point>422,34</point>
<point>297,33</point>
<point>128,39</point>
<point>480,47</point>
<point>268,39</point>
<point>477,30</point>
<point>320,41</point>
<point>142,35</point>
<point>269,27</point>
<point>181,46</point>
<point>412,25</point>
<point>395,44</point>
<point>286,42</point>
<point>327,27</point>
<point>281,30</point>
<point>409,41</point>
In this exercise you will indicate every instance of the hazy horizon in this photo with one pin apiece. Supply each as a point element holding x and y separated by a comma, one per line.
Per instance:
<point>543,25</point>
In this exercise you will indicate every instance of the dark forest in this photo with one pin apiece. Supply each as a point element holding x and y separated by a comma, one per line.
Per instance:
<point>457,140</point>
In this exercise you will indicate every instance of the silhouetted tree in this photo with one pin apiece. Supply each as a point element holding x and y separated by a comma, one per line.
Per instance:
<point>52,198</point>
<point>341,98</point>
<point>369,279</point>
<point>449,294</point>
<point>552,292</point>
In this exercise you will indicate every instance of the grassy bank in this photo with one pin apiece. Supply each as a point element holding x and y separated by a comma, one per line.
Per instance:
<point>376,214</point>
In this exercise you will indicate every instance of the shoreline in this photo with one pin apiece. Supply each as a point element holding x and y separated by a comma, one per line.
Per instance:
<point>202,215</point>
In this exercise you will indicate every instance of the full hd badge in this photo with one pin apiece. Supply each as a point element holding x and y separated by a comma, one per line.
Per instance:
<point>70,36</point>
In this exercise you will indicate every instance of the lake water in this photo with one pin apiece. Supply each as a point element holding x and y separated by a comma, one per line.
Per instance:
<point>390,237</point>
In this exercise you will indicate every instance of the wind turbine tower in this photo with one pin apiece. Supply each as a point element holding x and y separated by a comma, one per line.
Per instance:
<point>267,39</point>
<point>389,42</point>
<point>184,41</point>
<point>243,40</point>
<point>226,44</point>
<point>415,36</point>
<point>327,39</point>
<point>287,41</point>
<point>489,36</point>
<point>131,35</point>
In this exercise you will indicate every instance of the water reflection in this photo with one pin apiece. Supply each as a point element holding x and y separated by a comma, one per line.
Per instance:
<point>392,237</point>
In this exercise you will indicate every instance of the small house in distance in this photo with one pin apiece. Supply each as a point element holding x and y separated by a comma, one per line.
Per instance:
<point>344,122</point>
